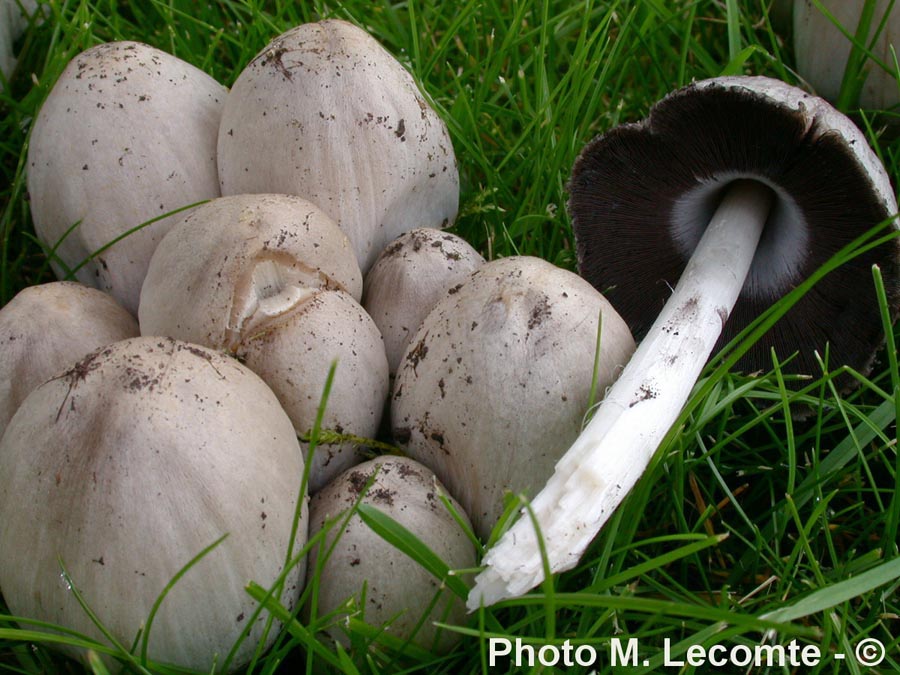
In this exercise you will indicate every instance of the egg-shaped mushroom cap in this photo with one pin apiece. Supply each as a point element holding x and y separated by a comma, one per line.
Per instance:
<point>236,263</point>
<point>44,329</point>
<point>127,134</point>
<point>495,384</point>
<point>125,468</point>
<point>293,354</point>
<point>325,112</point>
<point>409,276</point>
<point>389,587</point>
<point>642,194</point>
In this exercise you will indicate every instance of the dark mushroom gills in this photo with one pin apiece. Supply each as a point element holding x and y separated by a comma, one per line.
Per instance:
<point>783,181</point>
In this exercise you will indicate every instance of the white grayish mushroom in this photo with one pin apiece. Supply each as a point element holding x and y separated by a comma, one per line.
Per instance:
<point>385,586</point>
<point>127,134</point>
<point>496,382</point>
<point>125,468</point>
<point>409,277</point>
<point>45,329</point>
<point>824,40</point>
<point>326,113</point>
<point>14,18</point>
<point>272,280</point>
<point>783,182</point>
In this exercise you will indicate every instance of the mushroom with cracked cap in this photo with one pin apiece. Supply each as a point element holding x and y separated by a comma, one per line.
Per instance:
<point>783,182</point>
<point>272,280</point>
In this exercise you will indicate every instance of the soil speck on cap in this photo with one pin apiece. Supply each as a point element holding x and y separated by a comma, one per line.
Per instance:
<point>382,495</point>
<point>85,366</point>
<point>539,312</point>
<point>406,471</point>
<point>357,481</point>
<point>418,353</point>
<point>273,56</point>
<point>402,435</point>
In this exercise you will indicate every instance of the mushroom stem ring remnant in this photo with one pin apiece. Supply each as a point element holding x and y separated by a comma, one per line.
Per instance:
<point>618,443</point>
<point>770,182</point>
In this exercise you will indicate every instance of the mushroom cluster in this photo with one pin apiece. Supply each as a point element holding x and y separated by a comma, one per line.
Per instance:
<point>174,447</point>
<point>259,252</point>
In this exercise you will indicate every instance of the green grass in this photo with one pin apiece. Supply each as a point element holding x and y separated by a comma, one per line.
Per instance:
<point>751,526</point>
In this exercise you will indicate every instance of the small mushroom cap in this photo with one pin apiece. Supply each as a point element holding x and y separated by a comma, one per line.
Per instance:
<point>126,467</point>
<point>45,329</point>
<point>821,49</point>
<point>272,280</point>
<point>495,384</point>
<point>326,113</point>
<point>127,134</point>
<point>387,584</point>
<point>408,278</point>
<point>642,194</point>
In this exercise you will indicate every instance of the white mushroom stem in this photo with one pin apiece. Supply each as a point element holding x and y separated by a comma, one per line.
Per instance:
<point>615,448</point>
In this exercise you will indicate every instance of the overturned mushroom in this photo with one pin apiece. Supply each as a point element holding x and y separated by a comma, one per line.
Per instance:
<point>326,113</point>
<point>783,182</point>
<point>126,135</point>
<point>125,468</point>
<point>385,586</point>
<point>409,277</point>
<point>496,382</point>
<point>272,280</point>
<point>45,329</point>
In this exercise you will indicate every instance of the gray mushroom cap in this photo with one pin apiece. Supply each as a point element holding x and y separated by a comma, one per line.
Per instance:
<point>293,357</point>
<point>387,584</point>
<point>409,277</point>
<point>237,263</point>
<point>125,468</point>
<point>326,113</point>
<point>494,386</point>
<point>822,50</point>
<point>45,329</point>
<point>272,280</point>
<point>127,134</point>
<point>14,17</point>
